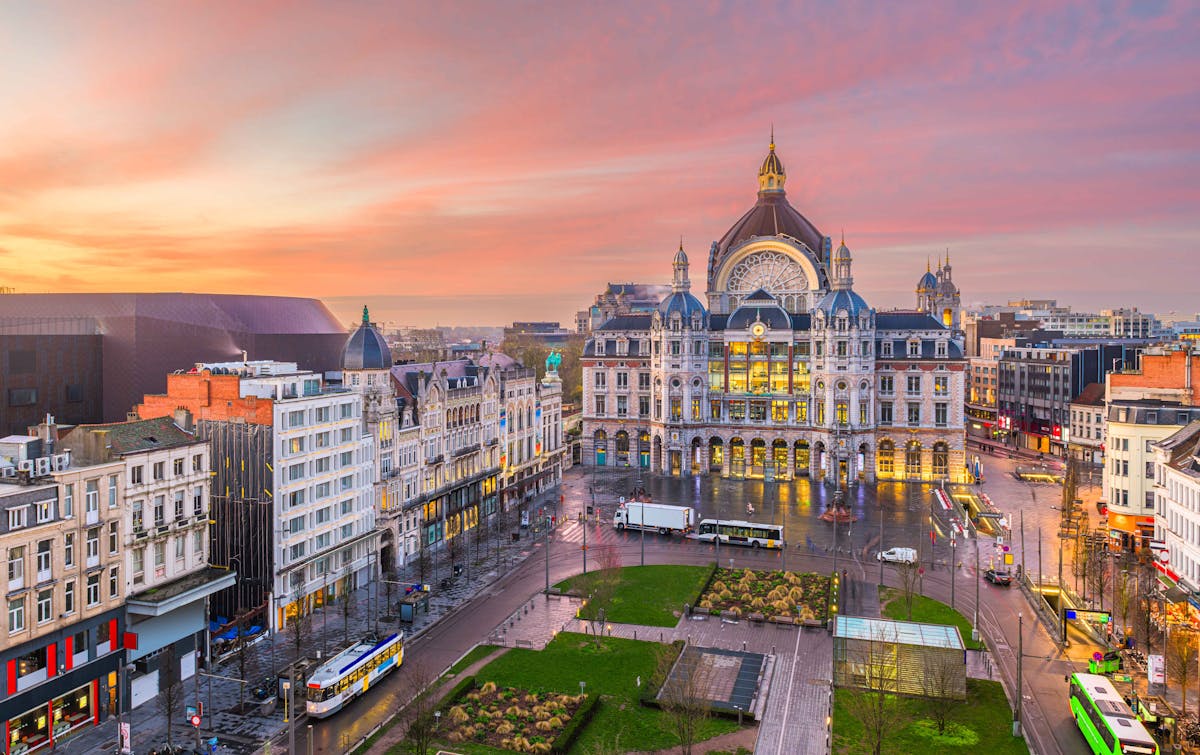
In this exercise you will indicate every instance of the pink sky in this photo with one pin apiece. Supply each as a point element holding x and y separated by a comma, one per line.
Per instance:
<point>478,163</point>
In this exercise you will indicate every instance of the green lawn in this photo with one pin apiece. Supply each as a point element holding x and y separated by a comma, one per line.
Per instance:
<point>476,653</point>
<point>926,611</point>
<point>981,724</point>
<point>649,595</point>
<point>610,670</point>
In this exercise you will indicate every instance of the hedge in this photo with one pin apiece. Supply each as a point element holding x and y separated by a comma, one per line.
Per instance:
<point>574,727</point>
<point>460,689</point>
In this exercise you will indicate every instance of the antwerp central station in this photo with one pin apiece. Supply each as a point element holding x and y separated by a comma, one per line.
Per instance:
<point>786,373</point>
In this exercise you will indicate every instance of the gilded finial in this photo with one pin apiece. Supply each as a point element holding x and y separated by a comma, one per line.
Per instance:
<point>927,264</point>
<point>843,237</point>
<point>947,256</point>
<point>772,136</point>
<point>681,242</point>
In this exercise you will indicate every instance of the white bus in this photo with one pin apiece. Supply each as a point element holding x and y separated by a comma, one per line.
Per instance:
<point>734,532</point>
<point>351,673</point>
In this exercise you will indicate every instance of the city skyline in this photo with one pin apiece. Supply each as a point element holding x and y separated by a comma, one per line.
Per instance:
<point>455,166</point>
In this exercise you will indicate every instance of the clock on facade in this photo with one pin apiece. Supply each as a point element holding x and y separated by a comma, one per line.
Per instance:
<point>758,329</point>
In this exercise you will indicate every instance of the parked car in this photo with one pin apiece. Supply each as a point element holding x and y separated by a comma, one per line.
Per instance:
<point>898,555</point>
<point>998,577</point>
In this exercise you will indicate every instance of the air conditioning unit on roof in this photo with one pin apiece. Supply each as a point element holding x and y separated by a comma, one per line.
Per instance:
<point>26,466</point>
<point>43,466</point>
<point>61,462</point>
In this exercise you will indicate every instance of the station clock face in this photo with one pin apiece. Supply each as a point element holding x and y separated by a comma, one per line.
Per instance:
<point>758,329</point>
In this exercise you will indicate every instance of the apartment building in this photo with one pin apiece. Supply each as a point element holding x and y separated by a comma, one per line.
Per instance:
<point>293,485</point>
<point>1086,439</point>
<point>1177,510</point>
<point>64,629</point>
<point>164,528</point>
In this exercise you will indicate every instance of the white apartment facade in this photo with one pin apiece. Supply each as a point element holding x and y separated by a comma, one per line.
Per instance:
<point>1177,501</point>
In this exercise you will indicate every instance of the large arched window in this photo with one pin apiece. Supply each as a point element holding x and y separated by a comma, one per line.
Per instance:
<point>803,457</point>
<point>622,448</point>
<point>912,459</point>
<point>885,458</point>
<point>941,459</point>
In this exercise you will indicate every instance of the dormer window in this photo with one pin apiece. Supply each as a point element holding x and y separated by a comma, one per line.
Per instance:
<point>887,349</point>
<point>914,348</point>
<point>599,348</point>
<point>941,348</point>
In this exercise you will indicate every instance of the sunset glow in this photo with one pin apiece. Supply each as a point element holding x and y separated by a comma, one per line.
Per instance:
<point>478,163</point>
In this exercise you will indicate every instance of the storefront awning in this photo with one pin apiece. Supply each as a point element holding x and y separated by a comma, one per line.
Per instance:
<point>1128,522</point>
<point>1172,592</point>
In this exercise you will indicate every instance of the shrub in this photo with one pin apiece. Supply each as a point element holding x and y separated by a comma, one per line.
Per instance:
<point>543,725</point>
<point>514,710</point>
<point>567,737</point>
<point>457,715</point>
<point>488,688</point>
<point>504,728</point>
<point>555,722</point>
<point>455,737</point>
<point>460,689</point>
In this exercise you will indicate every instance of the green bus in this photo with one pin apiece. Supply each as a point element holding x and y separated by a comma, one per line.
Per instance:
<point>1105,720</point>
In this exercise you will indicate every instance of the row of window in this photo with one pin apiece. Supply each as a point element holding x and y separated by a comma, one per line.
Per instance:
<point>43,600</point>
<point>621,347</point>
<point>779,411</point>
<point>158,511</point>
<point>158,470</point>
<point>318,415</point>
<point>177,546</point>
<point>324,439</point>
<point>43,552</point>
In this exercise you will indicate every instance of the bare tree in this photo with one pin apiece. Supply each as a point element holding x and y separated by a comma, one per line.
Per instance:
<point>602,585</point>
<point>910,575</point>
<point>941,681</point>
<point>245,661</point>
<point>684,693</point>
<point>871,675</point>
<point>1181,660</point>
<point>418,713</point>
<point>346,600</point>
<point>299,629</point>
<point>389,579</point>
<point>424,560</point>
<point>170,688</point>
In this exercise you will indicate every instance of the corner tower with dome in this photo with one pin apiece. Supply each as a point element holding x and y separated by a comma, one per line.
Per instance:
<point>787,373</point>
<point>366,370</point>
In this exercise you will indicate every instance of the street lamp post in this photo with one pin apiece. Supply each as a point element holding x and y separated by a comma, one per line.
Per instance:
<point>953,567</point>
<point>881,543</point>
<point>1020,663</point>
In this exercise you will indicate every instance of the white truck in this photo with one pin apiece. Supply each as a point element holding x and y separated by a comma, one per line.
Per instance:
<point>654,517</point>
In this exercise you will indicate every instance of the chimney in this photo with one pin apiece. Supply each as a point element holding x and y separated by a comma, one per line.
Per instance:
<point>183,419</point>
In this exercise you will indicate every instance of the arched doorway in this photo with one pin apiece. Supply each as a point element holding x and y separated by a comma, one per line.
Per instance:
<point>644,449</point>
<point>697,455</point>
<point>819,448</point>
<point>622,448</point>
<point>803,458</point>
<point>912,460</point>
<point>716,455</point>
<point>779,459</point>
<point>656,455</point>
<point>737,457</point>
<point>387,551</point>
<point>758,457</point>
<point>941,459</point>
<point>864,454</point>
<point>600,441</point>
<point>885,459</point>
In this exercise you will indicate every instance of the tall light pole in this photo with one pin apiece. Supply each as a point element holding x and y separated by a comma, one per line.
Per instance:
<point>1020,663</point>
<point>585,521</point>
<point>975,624</point>
<point>953,567</point>
<point>881,543</point>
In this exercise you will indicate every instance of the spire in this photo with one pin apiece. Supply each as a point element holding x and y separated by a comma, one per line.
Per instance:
<point>771,175</point>
<point>680,280</point>
<point>366,317</point>
<point>927,264</point>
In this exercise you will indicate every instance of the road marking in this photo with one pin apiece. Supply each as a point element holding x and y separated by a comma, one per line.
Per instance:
<point>787,707</point>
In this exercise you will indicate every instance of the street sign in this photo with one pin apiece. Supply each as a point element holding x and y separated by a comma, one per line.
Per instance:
<point>1008,559</point>
<point>1100,617</point>
<point>189,710</point>
<point>196,721</point>
<point>990,515</point>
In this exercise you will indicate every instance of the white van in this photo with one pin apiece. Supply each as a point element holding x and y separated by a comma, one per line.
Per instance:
<point>898,555</point>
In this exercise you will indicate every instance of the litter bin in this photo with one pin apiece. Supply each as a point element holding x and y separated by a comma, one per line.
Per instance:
<point>516,536</point>
<point>458,570</point>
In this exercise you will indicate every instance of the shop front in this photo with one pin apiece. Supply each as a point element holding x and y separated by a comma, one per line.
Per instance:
<point>1127,532</point>
<point>45,725</point>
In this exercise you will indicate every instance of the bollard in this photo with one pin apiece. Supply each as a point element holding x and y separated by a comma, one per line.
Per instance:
<point>772,650</point>
<point>635,634</point>
<point>743,647</point>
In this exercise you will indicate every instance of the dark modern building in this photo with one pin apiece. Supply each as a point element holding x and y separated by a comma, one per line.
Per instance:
<point>88,358</point>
